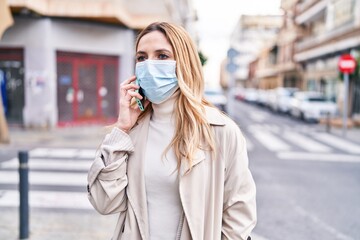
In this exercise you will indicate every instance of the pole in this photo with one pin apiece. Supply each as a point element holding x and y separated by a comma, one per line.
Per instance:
<point>346,86</point>
<point>24,194</point>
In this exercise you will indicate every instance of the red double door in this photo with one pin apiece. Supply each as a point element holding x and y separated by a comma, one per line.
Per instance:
<point>87,88</point>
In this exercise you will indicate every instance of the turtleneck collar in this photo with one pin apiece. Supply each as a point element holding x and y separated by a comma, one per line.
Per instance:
<point>164,112</point>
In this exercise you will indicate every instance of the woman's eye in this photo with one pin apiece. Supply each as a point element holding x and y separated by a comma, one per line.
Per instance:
<point>140,58</point>
<point>163,56</point>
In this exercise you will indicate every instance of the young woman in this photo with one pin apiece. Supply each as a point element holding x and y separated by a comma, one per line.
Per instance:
<point>178,169</point>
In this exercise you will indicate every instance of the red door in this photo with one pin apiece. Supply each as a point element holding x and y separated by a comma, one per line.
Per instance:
<point>87,88</point>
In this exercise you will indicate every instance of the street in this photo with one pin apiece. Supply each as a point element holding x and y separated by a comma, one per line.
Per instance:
<point>307,180</point>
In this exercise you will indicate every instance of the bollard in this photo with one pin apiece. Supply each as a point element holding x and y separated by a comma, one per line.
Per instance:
<point>24,194</point>
<point>328,122</point>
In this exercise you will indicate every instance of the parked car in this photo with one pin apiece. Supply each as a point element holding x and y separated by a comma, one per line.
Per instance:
<point>280,97</point>
<point>263,97</point>
<point>217,97</point>
<point>312,106</point>
<point>251,95</point>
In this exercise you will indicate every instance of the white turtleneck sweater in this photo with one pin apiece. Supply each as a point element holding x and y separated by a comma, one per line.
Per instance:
<point>161,175</point>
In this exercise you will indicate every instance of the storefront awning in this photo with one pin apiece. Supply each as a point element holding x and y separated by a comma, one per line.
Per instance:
<point>101,11</point>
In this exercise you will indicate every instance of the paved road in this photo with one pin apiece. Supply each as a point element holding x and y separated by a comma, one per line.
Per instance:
<point>308,181</point>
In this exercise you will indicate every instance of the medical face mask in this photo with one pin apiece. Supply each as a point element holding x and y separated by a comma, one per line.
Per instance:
<point>157,78</point>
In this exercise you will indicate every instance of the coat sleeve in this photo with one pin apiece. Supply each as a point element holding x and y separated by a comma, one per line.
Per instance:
<point>107,178</point>
<point>239,209</point>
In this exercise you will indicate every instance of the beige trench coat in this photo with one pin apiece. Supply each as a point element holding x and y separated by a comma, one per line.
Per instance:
<point>217,195</point>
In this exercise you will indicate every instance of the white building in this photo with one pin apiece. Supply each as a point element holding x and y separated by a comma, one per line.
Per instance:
<point>62,61</point>
<point>249,37</point>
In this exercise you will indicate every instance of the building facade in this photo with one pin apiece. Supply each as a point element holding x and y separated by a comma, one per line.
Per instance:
<point>250,36</point>
<point>329,28</point>
<point>61,63</point>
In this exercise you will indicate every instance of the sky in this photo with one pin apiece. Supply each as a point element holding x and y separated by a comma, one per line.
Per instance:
<point>217,20</point>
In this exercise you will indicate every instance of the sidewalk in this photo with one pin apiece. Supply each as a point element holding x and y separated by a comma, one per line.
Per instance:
<point>80,137</point>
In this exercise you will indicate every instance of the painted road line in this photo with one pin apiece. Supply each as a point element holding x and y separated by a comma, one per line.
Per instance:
<point>46,178</point>
<point>49,164</point>
<point>258,116</point>
<point>63,153</point>
<point>305,142</point>
<point>338,143</point>
<point>325,157</point>
<point>87,153</point>
<point>249,144</point>
<point>270,141</point>
<point>46,199</point>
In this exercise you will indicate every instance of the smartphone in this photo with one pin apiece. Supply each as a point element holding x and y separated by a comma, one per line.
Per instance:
<point>138,101</point>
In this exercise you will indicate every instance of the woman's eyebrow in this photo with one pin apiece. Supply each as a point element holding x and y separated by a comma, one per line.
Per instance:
<point>163,50</point>
<point>140,52</point>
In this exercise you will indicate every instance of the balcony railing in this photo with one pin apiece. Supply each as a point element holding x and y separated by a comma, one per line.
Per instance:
<point>314,40</point>
<point>301,7</point>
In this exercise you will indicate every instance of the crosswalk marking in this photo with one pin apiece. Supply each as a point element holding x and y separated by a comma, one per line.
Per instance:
<point>49,169</point>
<point>49,164</point>
<point>63,153</point>
<point>326,157</point>
<point>270,141</point>
<point>338,143</point>
<point>47,199</point>
<point>249,144</point>
<point>47,178</point>
<point>305,142</point>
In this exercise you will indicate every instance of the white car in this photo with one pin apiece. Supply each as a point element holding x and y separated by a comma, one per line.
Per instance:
<point>216,97</point>
<point>281,99</point>
<point>312,106</point>
<point>251,95</point>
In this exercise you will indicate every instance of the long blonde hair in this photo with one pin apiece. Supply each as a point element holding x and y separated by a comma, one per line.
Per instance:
<point>192,128</point>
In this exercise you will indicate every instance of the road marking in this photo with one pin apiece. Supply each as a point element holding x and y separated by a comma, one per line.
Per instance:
<point>325,157</point>
<point>249,144</point>
<point>337,142</point>
<point>46,178</point>
<point>321,224</point>
<point>47,199</point>
<point>270,141</point>
<point>258,116</point>
<point>49,164</point>
<point>63,153</point>
<point>305,142</point>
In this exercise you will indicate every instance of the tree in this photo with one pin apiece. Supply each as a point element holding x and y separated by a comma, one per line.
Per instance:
<point>203,58</point>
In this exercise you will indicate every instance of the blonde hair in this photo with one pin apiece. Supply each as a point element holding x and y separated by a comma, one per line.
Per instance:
<point>192,128</point>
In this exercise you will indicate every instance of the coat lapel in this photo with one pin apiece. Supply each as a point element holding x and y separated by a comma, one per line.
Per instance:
<point>136,191</point>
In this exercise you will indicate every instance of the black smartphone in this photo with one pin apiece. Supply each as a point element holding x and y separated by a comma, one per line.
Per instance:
<point>138,101</point>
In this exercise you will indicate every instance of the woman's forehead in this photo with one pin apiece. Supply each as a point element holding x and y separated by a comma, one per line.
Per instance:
<point>154,39</point>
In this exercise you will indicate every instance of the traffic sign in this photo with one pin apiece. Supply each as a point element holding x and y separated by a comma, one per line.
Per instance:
<point>231,67</point>
<point>347,64</point>
<point>232,52</point>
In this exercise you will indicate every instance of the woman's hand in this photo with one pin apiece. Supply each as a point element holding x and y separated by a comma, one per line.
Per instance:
<point>128,113</point>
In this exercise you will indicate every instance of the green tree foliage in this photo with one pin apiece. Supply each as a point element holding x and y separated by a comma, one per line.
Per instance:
<point>203,58</point>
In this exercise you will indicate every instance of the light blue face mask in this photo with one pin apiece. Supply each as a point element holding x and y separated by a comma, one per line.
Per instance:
<point>157,78</point>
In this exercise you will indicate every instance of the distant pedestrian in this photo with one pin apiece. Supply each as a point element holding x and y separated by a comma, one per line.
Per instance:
<point>179,168</point>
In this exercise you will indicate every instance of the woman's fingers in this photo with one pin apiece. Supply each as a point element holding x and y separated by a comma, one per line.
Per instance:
<point>134,94</point>
<point>129,80</point>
